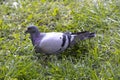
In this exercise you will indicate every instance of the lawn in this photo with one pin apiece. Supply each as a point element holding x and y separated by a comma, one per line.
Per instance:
<point>93,59</point>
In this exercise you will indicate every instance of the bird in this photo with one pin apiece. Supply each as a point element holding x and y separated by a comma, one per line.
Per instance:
<point>55,42</point>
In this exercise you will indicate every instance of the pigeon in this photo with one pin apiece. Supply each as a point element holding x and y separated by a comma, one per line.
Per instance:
<point>55,42</point>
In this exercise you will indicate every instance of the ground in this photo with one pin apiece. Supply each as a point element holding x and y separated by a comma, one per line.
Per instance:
<point>94,59</point>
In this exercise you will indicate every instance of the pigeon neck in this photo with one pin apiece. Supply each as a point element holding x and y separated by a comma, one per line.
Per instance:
<point>34,37</point>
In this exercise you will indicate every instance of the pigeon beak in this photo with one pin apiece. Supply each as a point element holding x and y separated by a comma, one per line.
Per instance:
<point>26,31</point>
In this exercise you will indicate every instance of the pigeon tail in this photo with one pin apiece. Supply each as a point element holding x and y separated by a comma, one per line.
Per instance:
<point>84,35</point>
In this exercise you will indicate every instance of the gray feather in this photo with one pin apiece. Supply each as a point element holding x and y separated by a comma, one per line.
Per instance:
<point>84,35</point>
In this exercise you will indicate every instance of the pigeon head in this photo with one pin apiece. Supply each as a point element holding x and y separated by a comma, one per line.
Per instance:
<point>32,29</point>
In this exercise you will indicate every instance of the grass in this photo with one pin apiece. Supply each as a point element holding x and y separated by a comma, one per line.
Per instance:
<point>94,59</point>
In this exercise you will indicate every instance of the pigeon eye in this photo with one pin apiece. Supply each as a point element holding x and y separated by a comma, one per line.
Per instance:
<point>29,28</point>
